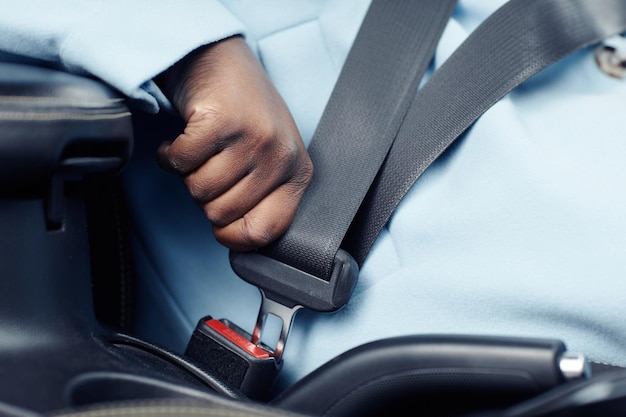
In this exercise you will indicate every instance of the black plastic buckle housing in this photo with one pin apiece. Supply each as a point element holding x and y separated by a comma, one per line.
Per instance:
<point>292,287</point>
<point>224,350</point>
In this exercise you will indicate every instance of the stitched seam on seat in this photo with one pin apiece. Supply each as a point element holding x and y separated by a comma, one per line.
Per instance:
<point>60,116</point>
<point>151,410</point>
<point>59,100</point>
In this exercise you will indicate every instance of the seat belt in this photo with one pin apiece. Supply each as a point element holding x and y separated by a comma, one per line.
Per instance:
<point>516,42</point>
<point>378,81</point>
<point>305,268</point>
<point>309,266</point>
<point>393,48</point>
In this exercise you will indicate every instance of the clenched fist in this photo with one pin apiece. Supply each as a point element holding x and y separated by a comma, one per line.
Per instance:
<point>240,154</point>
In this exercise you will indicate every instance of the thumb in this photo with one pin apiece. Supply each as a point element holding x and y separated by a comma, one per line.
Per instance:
<point>162,157</point>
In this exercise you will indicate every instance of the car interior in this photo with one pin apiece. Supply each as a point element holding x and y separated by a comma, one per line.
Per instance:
<point>67,345</point>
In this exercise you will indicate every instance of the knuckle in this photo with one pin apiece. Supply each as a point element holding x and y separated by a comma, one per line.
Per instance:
<point>263,127</point>
<point>202,112</point>
<point>305,172</point>
<point>287,160</point>
<point>256,234</point>
<point>289,151</point>
<point>217,214</point>
<point>264,143</point>
<point>197,191</point>
<point>262,134</point>
<point>222,120</point>
<point>201,187</point>
<point>302,176</point>
<point>180,159</point>
<point>170,160</point>
<point>210,125</point>
<point>245,234</point>
<point>177,165</point>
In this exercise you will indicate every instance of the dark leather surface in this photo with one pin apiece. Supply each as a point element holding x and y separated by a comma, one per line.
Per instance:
<point>49,118</point>
<point>54,354</point>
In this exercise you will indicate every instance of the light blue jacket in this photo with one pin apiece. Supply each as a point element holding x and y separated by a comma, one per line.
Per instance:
<point>519,229</point>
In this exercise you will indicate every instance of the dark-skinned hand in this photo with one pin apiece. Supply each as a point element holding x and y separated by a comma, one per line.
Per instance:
<point>240,155</point>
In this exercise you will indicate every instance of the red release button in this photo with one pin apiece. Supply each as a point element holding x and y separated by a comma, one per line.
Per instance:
<point>238,339</point>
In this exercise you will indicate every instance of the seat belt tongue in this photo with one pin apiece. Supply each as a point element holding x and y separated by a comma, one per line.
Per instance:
<point>244,361</point>
<point>284,313</point>
<point>285,289</point>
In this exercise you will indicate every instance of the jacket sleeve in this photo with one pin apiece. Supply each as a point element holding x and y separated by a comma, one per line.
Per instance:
<point>123,43</point>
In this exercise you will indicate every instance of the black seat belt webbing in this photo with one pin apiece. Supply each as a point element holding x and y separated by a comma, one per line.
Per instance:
<point>391,53</point>
<point>306,267</point>
<point>366,109</point>
<point>516,42</point>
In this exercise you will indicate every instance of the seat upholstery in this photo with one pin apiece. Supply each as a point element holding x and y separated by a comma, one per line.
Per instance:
<point>50,119</point>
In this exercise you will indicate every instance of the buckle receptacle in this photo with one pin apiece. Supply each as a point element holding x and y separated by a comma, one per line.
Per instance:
<point>224,350</point>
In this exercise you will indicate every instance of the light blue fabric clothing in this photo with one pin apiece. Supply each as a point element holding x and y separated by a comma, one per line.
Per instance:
<point>518,229</point>
<point>125,43</point>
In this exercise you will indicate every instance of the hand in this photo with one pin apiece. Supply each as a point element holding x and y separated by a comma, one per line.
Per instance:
<point>240,155</point>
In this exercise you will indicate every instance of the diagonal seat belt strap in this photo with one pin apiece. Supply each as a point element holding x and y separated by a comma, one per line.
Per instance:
<point>516,42</point>
<point>392,51</point>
